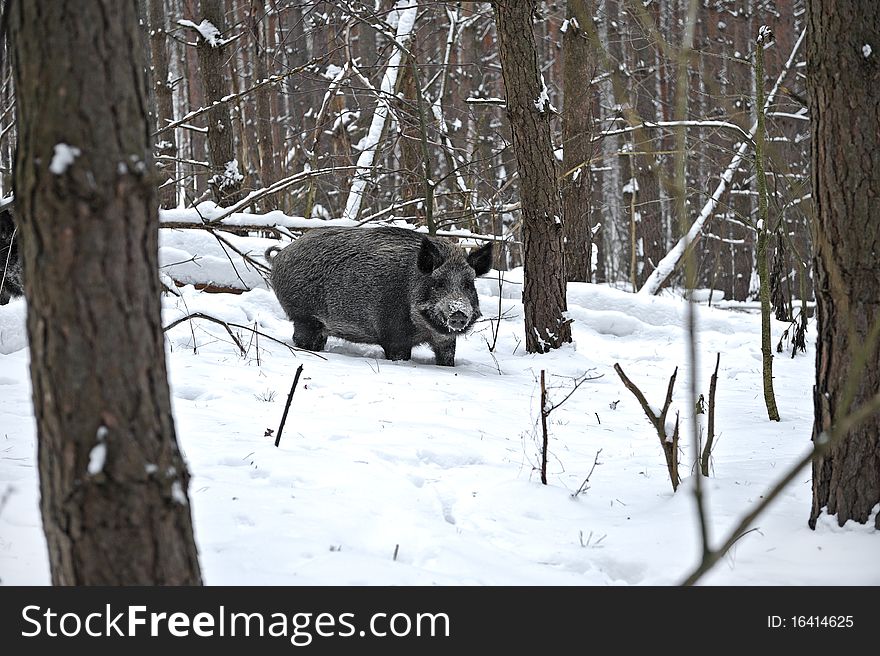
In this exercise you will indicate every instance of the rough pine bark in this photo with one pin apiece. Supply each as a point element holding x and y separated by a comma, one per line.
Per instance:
<point>579,66</point>
<point>528,109</point>
<point>411,185</point>
<point>167,144</point>
<point>650,244</point>
<point>193,143</point>
<point>265,144</point>
<point>226,179</point>
<point>843,59</point>
<point>113,484</point>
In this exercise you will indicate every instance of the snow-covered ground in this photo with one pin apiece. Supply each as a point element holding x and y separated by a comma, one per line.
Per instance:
<point>438,465</point>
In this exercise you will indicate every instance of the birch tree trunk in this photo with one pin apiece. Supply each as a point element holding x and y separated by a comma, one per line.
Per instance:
<point>406,11</point>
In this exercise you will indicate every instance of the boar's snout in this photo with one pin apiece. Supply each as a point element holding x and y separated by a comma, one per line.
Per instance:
<point>458,321</point>
<point>458,314</point>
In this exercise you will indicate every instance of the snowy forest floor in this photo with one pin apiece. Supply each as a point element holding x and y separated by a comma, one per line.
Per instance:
<point>438,465</point>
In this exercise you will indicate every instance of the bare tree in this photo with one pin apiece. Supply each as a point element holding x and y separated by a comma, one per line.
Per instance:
<point>845,111</point>
<point>265,145</point>
<point>529,109</point>
<point>577,145</point>
<point>227,178</point>
<point>113,484</point>
<point>167,145</point>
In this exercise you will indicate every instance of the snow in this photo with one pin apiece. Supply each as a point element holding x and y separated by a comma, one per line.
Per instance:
<point>177,493</point>
<point>542,102</point>
<point>631,187</point>
<point>206,29</point>
<point>230,176</point>
<point>97,457</point>
<point>98,454</point>
<point>332,71</point>
<point>439,463</point>
<point>63,157</point>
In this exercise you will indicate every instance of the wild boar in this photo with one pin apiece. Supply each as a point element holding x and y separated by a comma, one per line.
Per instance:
<point>388,286</point>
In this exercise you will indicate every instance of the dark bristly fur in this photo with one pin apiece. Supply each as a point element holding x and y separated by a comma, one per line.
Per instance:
<point>10,261</point>
<point>388,286</point>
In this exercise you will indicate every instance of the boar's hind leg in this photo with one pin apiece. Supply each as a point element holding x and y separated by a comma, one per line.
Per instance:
<point>309,334</point>
<point>444,351</point>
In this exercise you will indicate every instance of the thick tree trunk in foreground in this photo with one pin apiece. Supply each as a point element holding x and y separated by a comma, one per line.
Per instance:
<point>528,108</point>
<point>113,484</point>
<point>843,56</point>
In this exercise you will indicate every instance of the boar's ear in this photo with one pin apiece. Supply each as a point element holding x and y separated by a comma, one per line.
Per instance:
<point>430,256</point>
<point>481,259</point>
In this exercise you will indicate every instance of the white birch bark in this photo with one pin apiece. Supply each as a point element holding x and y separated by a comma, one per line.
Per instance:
<point>405,11</point>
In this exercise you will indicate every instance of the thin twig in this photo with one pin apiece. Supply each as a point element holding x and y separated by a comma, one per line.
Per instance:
<point>230,324</point>
<point>710,437</point>
<point>207,317</point>
<point>287,405</point>
<point>583,487</point>
<point>272,79</point>
<point>544,413</point>
<point>578,382</point>
<point>669,446</point>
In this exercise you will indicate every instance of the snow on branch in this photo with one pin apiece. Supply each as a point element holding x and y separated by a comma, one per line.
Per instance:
<point>208,31</point>
<point>671,124</point>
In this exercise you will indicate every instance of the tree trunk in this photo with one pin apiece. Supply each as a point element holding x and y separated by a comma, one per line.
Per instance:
<point>193,142</point>
<point>265,145</point>
<point>650,246</point>
<point>844,98</point>
<point>167,144</point>
<point>763,229</point>
<point>411,185</point>
<point>528,109</point>
<point>113,484</point>
<point>577,130</point>
<point>227,177</point>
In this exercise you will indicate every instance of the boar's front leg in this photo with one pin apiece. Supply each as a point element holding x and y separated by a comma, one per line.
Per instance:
<point>396,350</point>
<point>444,351</point>
<point>309,334</point>
<point>396,333</point>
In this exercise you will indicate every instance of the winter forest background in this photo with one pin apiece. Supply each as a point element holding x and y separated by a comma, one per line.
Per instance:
<point>674,169</point>
<point>326,63</point>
